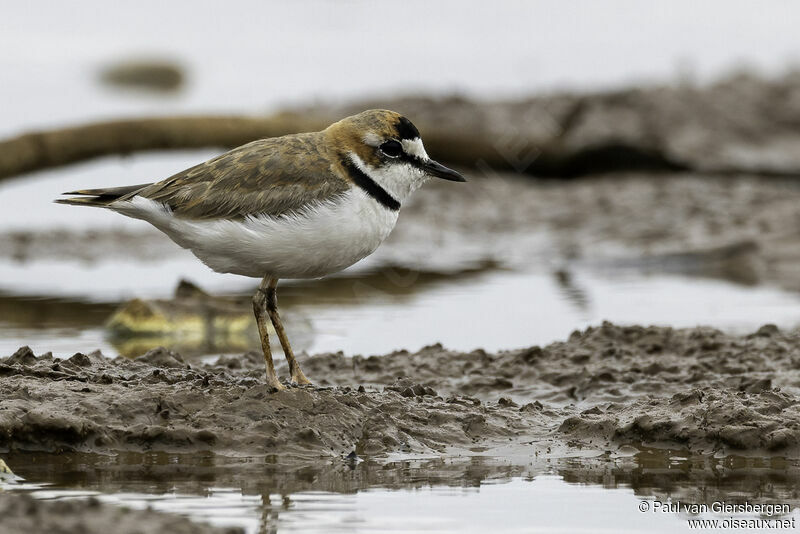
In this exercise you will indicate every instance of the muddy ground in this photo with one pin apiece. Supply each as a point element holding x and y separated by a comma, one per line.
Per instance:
<point>603,389</point>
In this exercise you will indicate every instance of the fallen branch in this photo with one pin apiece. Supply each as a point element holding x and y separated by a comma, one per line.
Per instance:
<point>35,151</point>
<point>41,150</point>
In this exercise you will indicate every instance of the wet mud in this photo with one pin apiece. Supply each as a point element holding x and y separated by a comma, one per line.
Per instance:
<point>603,390</point>
<point>159,402</point>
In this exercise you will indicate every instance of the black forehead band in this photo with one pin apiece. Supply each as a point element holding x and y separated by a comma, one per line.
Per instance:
<point>406,130</point>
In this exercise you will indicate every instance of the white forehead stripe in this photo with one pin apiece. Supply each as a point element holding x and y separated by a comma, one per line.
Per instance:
<point>415,148</point>
<point>372,139</point>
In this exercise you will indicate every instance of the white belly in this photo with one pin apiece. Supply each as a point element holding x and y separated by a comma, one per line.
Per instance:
<point>320,241</point>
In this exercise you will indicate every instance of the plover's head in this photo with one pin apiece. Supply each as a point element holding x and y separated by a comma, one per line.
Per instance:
<point>387,148</point>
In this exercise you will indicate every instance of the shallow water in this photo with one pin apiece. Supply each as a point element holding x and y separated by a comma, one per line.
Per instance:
<point>491,309</point>
<point>476,494</point>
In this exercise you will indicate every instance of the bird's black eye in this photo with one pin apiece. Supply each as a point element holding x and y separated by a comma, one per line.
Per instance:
<point>392,148</point>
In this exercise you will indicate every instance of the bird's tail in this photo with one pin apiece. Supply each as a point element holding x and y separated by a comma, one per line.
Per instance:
<point>99,198</point>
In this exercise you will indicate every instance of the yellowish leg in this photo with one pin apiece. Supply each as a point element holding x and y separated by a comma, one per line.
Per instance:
<point>260,311</point>
<point>272,308</point>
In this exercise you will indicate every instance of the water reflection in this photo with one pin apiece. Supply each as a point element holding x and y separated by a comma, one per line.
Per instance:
<point>571,290</point>
<point>277,494</point>
<point>40,312</point>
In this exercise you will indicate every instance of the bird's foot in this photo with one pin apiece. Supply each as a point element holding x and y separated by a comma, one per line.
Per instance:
<point>274,383</point>
<point>299,379</point>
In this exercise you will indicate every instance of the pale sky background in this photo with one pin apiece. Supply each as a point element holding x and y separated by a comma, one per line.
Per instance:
<point>257,55</point>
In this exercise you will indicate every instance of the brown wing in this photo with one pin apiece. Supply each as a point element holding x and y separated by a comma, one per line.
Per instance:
<point>270,176</point>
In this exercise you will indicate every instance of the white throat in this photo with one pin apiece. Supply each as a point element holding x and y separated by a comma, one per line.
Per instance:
<point>399,179</point>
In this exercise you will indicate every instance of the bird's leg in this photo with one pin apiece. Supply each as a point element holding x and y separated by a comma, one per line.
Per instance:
<point>260,311</point>
<point>272,308</point>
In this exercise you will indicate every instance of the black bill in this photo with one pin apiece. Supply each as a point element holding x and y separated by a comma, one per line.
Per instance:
<point>440,171</point>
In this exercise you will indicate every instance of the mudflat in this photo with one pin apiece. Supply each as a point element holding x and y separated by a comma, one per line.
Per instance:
<point>603,389</point>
